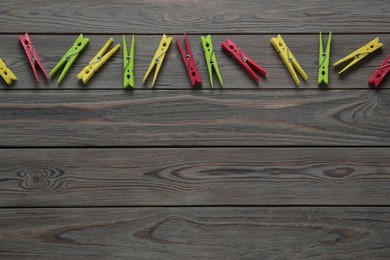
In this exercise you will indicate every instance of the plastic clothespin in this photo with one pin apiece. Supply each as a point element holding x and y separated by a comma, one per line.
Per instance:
<point>128,63</point>
<point>6,73</point>
<point>380,74</point>
<point>97,61</point>
<point>211,60</point>
<point>158,58</point>
<point>288,59</point>
<point>70,57</point>
<point>190,63</point>
<point>243,59</point>
<point>324,57</point>
<point>32,56</point>
<point>359,54</point>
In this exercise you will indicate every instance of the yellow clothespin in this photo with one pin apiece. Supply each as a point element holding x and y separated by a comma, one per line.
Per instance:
<point>359,54</point>
<point>6,73</point>
<point>158,57</point>
<point>288,58</point>
<point>97,61</point>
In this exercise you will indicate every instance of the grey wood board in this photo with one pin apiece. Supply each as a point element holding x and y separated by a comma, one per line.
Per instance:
<point>194,118</point>
<point>194,176</point>
<point>227,16</point>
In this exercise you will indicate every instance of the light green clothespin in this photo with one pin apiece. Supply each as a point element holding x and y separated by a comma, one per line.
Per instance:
<point>324,57</point>
<point>128,63</point>
<point>70,57</point>
<point>211,60</point>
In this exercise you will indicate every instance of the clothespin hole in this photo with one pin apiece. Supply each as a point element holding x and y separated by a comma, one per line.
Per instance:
<point>128,76</point>
<point>323,72</point>
<point>207,44</point>
<point>244,58</point>
<point>280,44</point>
<point>194,73</point>
<point>87,71</point>
<point>231,46</point>
<point>371,46</point>
<point>25,42</point>
<point>79,44</point>
<point>5,73</point>
<point>67,58</point>
<point>164,44</point>
<point>379,75</point>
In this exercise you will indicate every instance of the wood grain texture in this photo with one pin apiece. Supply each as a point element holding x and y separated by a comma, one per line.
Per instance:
<point>173,75</point>
<point>195,233</point>
<point>197,118</point>
<point>193,177</point>
<point>227,16</point>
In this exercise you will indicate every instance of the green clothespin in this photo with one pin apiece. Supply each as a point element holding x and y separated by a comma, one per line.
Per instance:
<point>70,57</point>
<point>323,70</point>
<point>211,60</point>
<point>128,63</point>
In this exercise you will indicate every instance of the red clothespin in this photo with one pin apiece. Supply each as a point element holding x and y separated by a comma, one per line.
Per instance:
<point>32,56</point>
<point>243,59</point>
<point>189,61</point>
<point>380,74</point>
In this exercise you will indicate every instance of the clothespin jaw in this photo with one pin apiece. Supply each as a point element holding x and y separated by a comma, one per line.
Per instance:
<point>70,57</point>
<point>6,73</point>
<point>211,59</point>
<point>380,73</point>
<point>324,57</point>
<point>94,65</point>
<point>128,63</point>
<point>288,59</point>
<point>243,59</point>
<point>158,58</point>
<point>190,63</point>
<point>32,56</point>
<point>359,54</point>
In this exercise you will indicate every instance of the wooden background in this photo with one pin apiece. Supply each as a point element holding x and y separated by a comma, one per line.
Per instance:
<point>244,172</point>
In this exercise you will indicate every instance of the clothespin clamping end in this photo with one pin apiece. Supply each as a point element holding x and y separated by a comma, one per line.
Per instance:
<point>32,56</point>
<point>94,65</point>
<point>190,63</point>
<point>288,59</point>
<point>70,57</point>
<point>359,54</point>
<point>158,58</point>
<point>211,59</point>
<point>324,57</point>
<point>128,63</point>
<point>243,59</point>
<point>380,74</point>
<point>6,73</point>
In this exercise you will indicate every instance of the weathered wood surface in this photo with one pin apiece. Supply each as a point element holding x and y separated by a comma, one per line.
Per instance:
<point>197,118</point>
<point>175,16</point>
<point>173,75</point>
<point>195,233</point>
<point>193,177</point>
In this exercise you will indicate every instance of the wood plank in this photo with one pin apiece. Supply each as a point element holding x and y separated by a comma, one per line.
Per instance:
<point>173,74</point>
<point>225,16</point>
<point>197,118</point>
<point>196,233</point>
<point>194,176</point>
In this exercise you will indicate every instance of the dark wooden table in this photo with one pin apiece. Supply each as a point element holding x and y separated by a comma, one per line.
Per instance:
<point>244,172</point>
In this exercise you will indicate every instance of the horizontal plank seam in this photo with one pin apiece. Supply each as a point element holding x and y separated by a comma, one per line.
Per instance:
<point>204,206</point>
<point>201,33</point>
<point>258,88</point>
<point>199,147</point>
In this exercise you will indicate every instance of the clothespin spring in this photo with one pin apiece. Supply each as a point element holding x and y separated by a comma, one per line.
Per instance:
<point>243,57</point>
<point>161,54</point>
<point>71,54</point>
